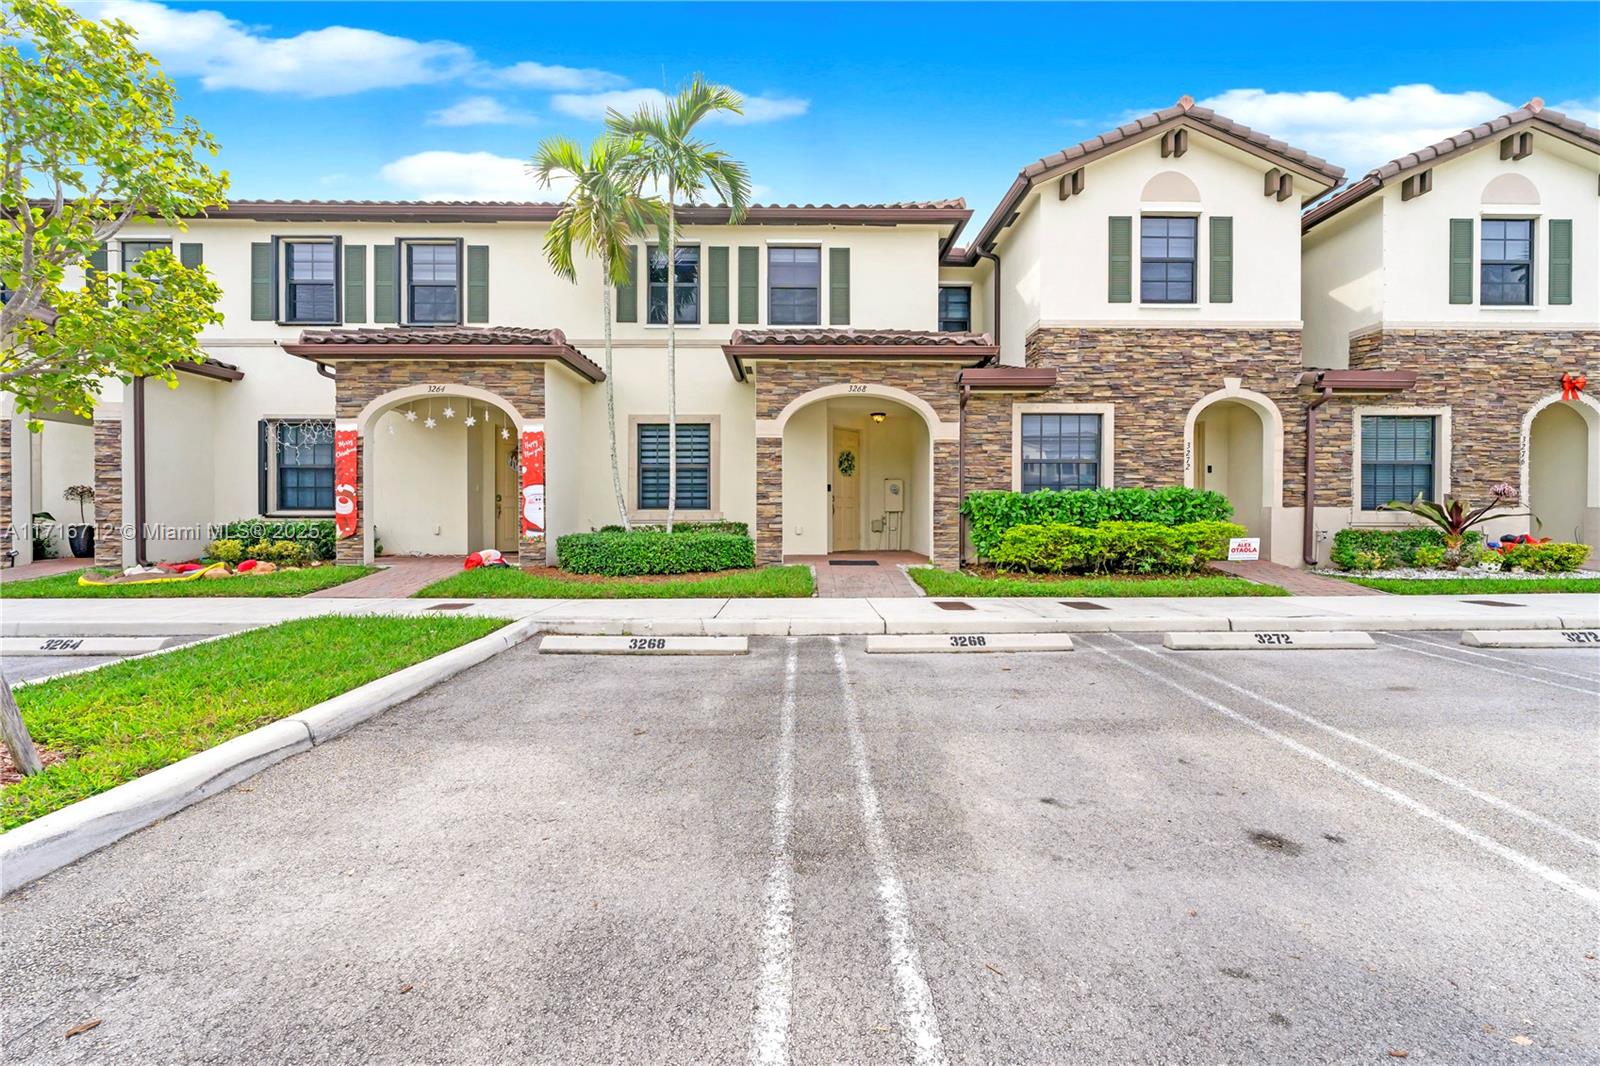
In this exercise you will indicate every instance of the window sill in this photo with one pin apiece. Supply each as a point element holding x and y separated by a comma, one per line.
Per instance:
<point>1171,307</point>
<point>1523,308</point>
<point>307,322</point>
<point>298,514</point>
<point>680,325</point>
<point>656,517</point>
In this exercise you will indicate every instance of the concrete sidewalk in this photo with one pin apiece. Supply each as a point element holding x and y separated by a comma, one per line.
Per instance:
<point>807,617</point>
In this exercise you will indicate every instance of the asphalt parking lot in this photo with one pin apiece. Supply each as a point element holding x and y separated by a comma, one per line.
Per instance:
<point>810,854</point>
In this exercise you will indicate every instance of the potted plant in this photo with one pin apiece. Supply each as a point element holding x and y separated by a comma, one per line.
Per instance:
<point>81,536</point>
<point>1455,520</point>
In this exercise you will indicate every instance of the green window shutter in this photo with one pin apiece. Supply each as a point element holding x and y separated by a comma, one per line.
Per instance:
<point>1221,260</point>
<point>1461,260</point>
<point>355,283</point>
<point>385,304</point>
<point>1561,260</point>
<point>749,286</point>
<point>261,282</point>
<point>477,283</point>
<point>717,285</point>
<point>97,264</point>
<point>628,291</point>
<point>838,286</point>
<point>191,255</point>
<point>1119,263</point>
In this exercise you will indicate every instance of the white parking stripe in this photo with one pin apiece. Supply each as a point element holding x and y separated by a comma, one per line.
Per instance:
<point>1410,764</point>
<point>1585,892</point>
<point>919,1025</point>
<point>1491,669</point>
<point>769,1043</point>
<point>1445,646</point>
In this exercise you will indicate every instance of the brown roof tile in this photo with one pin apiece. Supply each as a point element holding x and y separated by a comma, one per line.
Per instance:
<point>875,338</point>
<point>435,335</point>
<point>466,342</point>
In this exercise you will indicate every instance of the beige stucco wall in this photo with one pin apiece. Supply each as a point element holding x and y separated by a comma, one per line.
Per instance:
<point>180,467</point>
<point>573,467</point>
<point>1559,470</point>
<point>1342,282</point>
<point>62,455</point>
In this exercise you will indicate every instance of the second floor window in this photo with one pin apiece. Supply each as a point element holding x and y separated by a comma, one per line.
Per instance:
<point>794,279</point>
<point>1507,261</point>
<point>685,285</point>
<point>433,284</point>
<point>955,309</point>
<point>1060,451</point>
<point>310,283</point>
<point>1166,260</point>
<point>1396,459</point>
<point>132,250</point>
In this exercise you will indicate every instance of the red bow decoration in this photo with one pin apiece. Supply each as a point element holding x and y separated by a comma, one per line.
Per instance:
<point>1571,386</point>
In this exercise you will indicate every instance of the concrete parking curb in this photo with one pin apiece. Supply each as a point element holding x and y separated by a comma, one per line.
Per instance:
<point>46,844</point>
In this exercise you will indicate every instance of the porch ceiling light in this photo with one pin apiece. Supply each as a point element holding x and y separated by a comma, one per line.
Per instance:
<point>878,416</point>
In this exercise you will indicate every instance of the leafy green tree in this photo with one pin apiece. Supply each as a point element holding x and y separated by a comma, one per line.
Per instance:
<point>670,155</point>
<point>600,216</point>
<point>91,142</point>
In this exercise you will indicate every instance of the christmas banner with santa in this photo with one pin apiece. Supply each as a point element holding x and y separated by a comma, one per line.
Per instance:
<point>346,468</point>
<point>533,481</point>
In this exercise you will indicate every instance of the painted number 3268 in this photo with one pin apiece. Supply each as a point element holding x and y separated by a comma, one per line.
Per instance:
<point>647,643</point>
<point>967,642</point>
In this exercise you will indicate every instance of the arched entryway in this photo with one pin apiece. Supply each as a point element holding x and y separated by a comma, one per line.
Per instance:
<point>1560,469</point>
<point>857,473</point>
<point>1233,444</point>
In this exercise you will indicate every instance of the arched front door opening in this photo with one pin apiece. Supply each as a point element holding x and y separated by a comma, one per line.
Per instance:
<point>857,476</point>
<point>1234,445</point>
<point>442,474</point>
<point>1560,482</point>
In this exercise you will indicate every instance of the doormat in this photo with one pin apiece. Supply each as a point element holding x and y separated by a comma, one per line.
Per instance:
<point>852,562</point>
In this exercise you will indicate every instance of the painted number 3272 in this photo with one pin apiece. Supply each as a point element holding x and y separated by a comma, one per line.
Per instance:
<point>1581,636</point>
<point>1273,638</point>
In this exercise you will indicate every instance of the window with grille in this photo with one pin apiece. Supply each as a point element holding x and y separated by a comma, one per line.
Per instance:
<point>685,282</point>
<point>1060,452</point>
<point>1397,459</point>
<point>1507,261</point>
<point>132,250</point>
<point>433,283</point>
<point>955,309</point>
<point>305,465</point>
<point>794,286</point>
<point>1166,260</point>
<point>310,282</point>
<point>694,466</point>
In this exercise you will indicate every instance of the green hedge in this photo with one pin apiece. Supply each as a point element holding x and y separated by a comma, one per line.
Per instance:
<point>739,529</point>
<point>1114,547</point>
<point>992,513</point>
<point>1556,557</point>
<point>317,532</point>
<point>654,552</point>
<point>1396,547</point>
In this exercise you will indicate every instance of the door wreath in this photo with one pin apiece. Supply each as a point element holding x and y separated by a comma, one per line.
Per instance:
<point>847,462</point>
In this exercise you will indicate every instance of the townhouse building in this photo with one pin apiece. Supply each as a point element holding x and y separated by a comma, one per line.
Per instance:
<point>1154,306</point>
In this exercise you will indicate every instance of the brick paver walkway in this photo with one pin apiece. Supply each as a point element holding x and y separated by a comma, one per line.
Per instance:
<point>43,568</point>
<point>401,576</point>
<point>884,579</point>
<point>1298,582</point>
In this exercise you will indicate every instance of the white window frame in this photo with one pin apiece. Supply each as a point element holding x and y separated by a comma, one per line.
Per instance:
<point>635,513</point>
<point>1441,461</point>
<point>403,266</point>
<point>824,309</point>
<point>273,509</point>
<point>1108,427</point>
<point>280,261</point>
<point>699,286</point>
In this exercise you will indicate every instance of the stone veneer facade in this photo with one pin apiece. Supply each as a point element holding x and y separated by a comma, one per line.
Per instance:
<point>108,539</point>
<point>1488,378</point>
<point>358,382</point>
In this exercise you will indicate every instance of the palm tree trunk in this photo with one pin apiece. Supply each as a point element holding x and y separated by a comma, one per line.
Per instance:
<point>611,396</point>
<point>15,733</point>
<point>672,353</point>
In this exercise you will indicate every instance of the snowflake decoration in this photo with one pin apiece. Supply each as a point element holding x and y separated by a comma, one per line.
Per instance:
<point>411,416</point>
<point>428,423</point>
<point>471,421</point>
<point>449,412</point>
<point>505,433</point>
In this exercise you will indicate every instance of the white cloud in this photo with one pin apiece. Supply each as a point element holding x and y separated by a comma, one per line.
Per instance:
<point>1359,132</point>
<point>1585,111</point>
<point>593,106</point>
<point>439,175</point>
<point>479,111</point>
<point>336,60</point>
<point>529,75</point>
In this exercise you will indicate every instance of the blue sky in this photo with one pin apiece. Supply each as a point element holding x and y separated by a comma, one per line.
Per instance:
<point>849,102</point>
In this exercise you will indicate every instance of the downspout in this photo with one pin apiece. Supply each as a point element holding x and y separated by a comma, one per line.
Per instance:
<point>139,547</point>
<point>322,368</point>
<point>1308,544</point>
<point>961,476</point>
<point>995,314</point>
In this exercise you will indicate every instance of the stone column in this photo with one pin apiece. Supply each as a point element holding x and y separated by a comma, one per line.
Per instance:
<point>946,503</point>
<point>351,550</point>
<point>110,544</point>
<point>769,501</point>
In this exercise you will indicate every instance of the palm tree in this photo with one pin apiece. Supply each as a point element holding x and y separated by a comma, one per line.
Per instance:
<point>601,214</point>
<point>672,157</point>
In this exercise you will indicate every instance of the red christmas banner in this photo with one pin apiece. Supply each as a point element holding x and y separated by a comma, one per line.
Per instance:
<point>532,482</point>
<point>346,464</point>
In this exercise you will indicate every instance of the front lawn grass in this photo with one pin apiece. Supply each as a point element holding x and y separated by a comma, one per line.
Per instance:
<point>769,582</point>
<point>937,582</point>
<point>1475,586</point>
<point>283,583</point>
<point>124,720</point>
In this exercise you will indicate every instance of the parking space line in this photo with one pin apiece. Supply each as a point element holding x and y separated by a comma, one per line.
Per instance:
<point>1445,646</point>
<point>919,1025</point>
<point>1491,669</point>
<point>770,1039</point>
<point>1585,892</point>
<point>1377,749</point>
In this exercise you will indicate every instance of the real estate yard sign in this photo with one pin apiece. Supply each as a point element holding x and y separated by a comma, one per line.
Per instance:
<point>1244,549</point>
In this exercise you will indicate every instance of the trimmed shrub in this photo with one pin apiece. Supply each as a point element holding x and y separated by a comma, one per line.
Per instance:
<point>317,533</point>
<point>654,552</point>
<point>225,551</point>
<point>739,529</point>
<point>1429,557</point>
<point>1114,547</point>
<point>1397,547</point>
<point>1553,558</point>
<point>992,513</point>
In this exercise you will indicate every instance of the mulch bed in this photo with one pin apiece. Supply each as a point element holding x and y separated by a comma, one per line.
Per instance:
<point>555,573</point>
<point>8,771</point>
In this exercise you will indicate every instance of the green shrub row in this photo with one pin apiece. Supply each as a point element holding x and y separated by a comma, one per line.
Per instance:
<point>1114,547</point>
<point>990,514</point>
<point>318,533</point>
<point>740,529</point>
<point>1380,549</point>
<point>1555,557</point>
<point>654,552</point>
<point>282,552</point>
